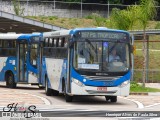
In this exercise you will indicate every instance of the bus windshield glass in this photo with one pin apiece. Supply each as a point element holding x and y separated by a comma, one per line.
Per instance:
<point>101,55</point>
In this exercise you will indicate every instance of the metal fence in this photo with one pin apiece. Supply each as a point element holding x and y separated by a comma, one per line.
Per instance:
<point>60,9</point>
<point>153,75</point>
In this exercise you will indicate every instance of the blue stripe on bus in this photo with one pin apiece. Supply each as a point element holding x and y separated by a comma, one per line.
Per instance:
<point>109,83</point>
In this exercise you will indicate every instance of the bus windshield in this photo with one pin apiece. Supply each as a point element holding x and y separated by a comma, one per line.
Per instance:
<point>101,55</point>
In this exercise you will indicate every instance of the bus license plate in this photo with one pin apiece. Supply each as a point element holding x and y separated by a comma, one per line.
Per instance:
<point>101,88</point>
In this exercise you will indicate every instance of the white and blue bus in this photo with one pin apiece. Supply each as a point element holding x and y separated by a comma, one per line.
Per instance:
<point>78,62</point>
<point>20,58</point>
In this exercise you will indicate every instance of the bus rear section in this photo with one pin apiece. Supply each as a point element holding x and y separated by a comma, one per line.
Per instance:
<point>89,68</point>
<point>21,59</point>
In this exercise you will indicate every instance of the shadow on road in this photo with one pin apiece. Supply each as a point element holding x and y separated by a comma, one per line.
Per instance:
<point>83,100</point>
<point>23,87</point>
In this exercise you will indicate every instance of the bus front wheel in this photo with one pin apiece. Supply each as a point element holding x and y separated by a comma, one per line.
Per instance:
<point>111,98</point>
<point>48,91</point>
<point>68,98</point>
<point>10,83</point>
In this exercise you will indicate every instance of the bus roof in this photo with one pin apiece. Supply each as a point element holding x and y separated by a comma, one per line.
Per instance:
<point>72,31</point>
<point>98,28</point>
<point>11,36</point>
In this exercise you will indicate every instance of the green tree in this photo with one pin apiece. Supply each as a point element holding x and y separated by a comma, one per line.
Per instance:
<point>125,20</point>
<point>147,12</point>
<point>17,7</point>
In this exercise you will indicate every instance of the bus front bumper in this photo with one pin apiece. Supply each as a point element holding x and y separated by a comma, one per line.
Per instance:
<point>100,91</point>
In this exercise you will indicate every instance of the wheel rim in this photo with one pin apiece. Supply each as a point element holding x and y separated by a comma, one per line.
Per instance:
<point>10,79</point>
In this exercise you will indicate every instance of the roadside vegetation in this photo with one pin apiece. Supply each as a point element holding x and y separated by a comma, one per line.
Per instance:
<point>135,87</point>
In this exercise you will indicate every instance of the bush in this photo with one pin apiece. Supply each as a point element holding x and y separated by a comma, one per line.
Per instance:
<point>134,84</point>
<point>157,25</point>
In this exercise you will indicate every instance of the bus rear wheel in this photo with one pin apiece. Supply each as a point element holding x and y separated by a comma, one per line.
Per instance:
<point>111,98</point>
<point>48,91</point>
<point>10,83</point>
<point>55,93</point>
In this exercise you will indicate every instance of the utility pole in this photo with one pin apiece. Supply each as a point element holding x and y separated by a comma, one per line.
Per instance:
<point>27,7</point>
<point>108,10</point>
<point>81,9</point>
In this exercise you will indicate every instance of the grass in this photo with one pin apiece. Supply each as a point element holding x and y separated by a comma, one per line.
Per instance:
<point>154,57</point>
<point>68,23</point>
<point>146,89</point>
<point>135,87</point>
<point>92,20</point>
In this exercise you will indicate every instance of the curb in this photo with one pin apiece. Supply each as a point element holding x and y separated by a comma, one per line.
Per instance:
<point>146,93</point>
<point>139,93</point>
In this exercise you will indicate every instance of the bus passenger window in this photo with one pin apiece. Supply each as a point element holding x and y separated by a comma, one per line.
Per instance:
<point>60,42</point>
<point>57,42</point>
<point>33,55</point>
<point>54,42</point>
<point>50,42</point>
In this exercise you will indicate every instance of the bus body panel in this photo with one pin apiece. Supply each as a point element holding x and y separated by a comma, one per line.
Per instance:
<point>56,71</point>
<point>7,64</point>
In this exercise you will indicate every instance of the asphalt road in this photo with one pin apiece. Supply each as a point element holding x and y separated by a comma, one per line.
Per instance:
<point>58,102</point>
<point>32,95</point>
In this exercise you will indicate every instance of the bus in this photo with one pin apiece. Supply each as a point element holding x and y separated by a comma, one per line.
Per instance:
<point>77,62</point>
<point>20,58</point>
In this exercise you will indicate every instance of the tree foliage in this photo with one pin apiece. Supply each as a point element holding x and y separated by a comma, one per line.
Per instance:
<point>125,20</point>
<point>96,1</point>
<point>17,8</point>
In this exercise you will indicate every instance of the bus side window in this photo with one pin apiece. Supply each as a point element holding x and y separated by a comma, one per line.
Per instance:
<point>54,42</point>
<point>60,43</point>
<point>63,42</point>
<point>50,42</point>
<point>57,42</point>
<point>33,55</point>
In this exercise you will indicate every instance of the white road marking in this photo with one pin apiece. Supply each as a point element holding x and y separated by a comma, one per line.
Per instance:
<point>152,105</point>
<point>139,104</point>
<point>46,102</point>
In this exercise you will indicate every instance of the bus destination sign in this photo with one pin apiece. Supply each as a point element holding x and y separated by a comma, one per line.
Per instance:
<point>103,35</point>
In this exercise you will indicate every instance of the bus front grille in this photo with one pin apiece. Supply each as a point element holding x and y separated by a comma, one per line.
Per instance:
<point>101,77</point>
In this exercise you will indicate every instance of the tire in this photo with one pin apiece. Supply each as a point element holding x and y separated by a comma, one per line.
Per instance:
<point>55,93</point>
<point>114,99</point>
<point>48,91</point>
<point>107,98</point>
<point>10,82</point>
<point>111,98</point>
<point>41,87</point>
<point>68,98</point>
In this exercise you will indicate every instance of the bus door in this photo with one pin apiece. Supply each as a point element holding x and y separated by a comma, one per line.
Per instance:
<point>40,63</point>
<point>22,53</point>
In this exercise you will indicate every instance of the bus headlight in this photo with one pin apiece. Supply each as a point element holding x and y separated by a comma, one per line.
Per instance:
<point>77,82</point>
<point>125,83</point>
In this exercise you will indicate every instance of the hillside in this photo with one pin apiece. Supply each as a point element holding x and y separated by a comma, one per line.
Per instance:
<point>89,21</point>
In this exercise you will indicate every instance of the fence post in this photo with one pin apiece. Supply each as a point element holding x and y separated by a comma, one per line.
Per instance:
<point>147,60</point>
<point>81,9</point>
<point>108,10</point>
